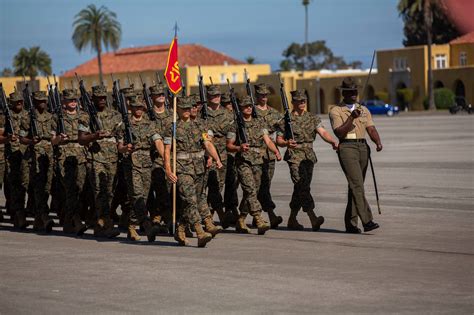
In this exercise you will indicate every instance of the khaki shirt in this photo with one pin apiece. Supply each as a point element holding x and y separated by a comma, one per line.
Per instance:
<point>339,115</point>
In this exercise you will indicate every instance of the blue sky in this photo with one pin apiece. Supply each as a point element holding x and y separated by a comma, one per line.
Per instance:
<point>263,29</point>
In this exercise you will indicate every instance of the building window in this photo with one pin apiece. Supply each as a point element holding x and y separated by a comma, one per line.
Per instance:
<point>400,64</point>
<point>440,61</point>
<point>463,58</point>
<point>234,77</point>
<point>223,78</point>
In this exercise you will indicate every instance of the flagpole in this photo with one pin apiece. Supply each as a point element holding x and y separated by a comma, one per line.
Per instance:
<point>174,162</point>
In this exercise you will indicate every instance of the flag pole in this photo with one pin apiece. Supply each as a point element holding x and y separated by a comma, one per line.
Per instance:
<point>174,162</point>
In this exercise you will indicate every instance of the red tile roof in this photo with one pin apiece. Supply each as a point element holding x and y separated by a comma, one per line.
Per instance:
<point>465,39</point>
<point>151,58</point>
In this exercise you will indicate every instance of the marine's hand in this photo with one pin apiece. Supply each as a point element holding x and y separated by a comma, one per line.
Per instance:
<point>355,113</point>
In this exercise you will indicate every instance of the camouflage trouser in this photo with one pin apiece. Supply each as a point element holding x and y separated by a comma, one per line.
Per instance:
<point>264,195</point>
<point>301,175</point>
<point>101,177</point>
<point>73,177</point>
<point>249,178</point>
<point>138,179</point>
<point>202,205</point>
<point>121,196</point>
<point>189,200</point>
<point>41,175</point>
<point>231,200</point>
<point>215,183</point>
<point>2,164</point>
<point>16,180</point>
<point>160,194</point>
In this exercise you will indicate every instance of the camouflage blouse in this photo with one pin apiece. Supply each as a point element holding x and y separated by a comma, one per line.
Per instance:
<point>255,129</point>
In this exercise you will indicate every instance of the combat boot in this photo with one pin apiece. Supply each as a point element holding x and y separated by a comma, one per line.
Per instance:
<point>132,233</point>
<point>220,215</point>
<point>79,227</point>
<point>37,224</point>
<point>241,226</point>
<point>211,227</point>
<point>262,226</point>
<point>316,221</point>
<point>275,220</point>
<point>156,219</point>
<point>68,226</point>
<point>293,224</point>
<point>229,219</point>
<point>105,228</point>
<point>188,232</point>
<point>20,220</point>
<point>180,235</point>
<point>150,230</point>
<point>203,237</point>
<point>48,223</point>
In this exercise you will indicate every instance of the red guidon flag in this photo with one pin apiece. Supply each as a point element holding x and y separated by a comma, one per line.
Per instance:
<point>172,75</point>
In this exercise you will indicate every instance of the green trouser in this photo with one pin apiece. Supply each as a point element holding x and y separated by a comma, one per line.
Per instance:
<point>250,179</point>
<point>215,183</point>
<point>73,177</point>
<point>353,157</point>
<point>189,199</point>
<point>138,179</point>
<point>41,170</point>
<point>231,201</point>
<point>16,177</point>
<point>264,195</point>
<point>203,206</point>
<point>101,177</point>
<point>301,176</point>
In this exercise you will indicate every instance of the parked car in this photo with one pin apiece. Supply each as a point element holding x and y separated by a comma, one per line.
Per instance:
<point>378,107</point>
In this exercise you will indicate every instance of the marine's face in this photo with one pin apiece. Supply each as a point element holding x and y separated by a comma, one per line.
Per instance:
<point>158,98</point>
<point>184,113</point>
<point>194,111</point>
<point>246,109</point>
<point>17,106</point>
<point>40,105</point>
<point>214,99</point>
<point>100,101</point>
<point>299,105</point>
<point>262,99</point>
<point>350,96</point>
<point>70,104</point>
<point>137,111</point>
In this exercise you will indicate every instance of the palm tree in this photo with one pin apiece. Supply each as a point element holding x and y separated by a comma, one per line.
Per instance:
<point>250,60</point>
<point>97,28</point>
<point>31,62</point>
<point>426,6</point>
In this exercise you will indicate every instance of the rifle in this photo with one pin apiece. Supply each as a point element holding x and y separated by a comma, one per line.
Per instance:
<point>31,110</point>
<point>183,88</point>
<point>241,132</point>
<point>58,109</point>
<point>8,130</point>
<point>202,95</point>
<point>89,107</point>
<point>167,92</point>
<point>284,101</point>
<point>121,102</point>
<point>250,93</point>
<point>146,96</point>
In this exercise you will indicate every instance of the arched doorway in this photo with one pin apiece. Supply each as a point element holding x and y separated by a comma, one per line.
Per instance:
<point>438,85</point>
<point>337,96</point>
<point>459,88</point>
<point>370,93</point>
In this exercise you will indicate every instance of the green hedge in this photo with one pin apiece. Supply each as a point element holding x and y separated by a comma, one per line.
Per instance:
<point>383,96</point>
<point>444,98</point>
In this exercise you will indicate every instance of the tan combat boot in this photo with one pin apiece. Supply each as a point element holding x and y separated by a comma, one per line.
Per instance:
<point>188,232</point>
<point>293,224</point>
<point>180,235</point>
<point>156,219</point>
<point>241,226</point>
<point>150,230</point>
<point>275,220</point>
<point>48,223</point>
<point>132,233</point>
<point>262,226</point>
<point>316,221</point>
<point>203,237</point>
<point>79,227</point>
<point>211,227</point>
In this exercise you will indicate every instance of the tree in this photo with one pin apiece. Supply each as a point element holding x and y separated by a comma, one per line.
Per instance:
<point>250,60</point>
<point>319,57</point>
<point>420,15</point>
<point>442,30</point>
<point>31,62</point>
<point>96,28</point>
<point>6,72</point>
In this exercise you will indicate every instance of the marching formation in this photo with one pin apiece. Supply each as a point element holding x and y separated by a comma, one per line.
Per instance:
<point>78,155</point>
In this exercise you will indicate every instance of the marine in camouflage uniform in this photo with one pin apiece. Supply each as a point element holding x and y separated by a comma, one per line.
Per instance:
<point>272,119</point>
<point>249,161</point>
<point>102,159</point>
<point>192,137</point>
<point>137,166</point>
<point>14,154</point>
<point>38,159</point>
<point>160,192</point>
<point>219,121</point>
<point>3,140</point>
<point>301,158</point>
<point>72,162</point>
